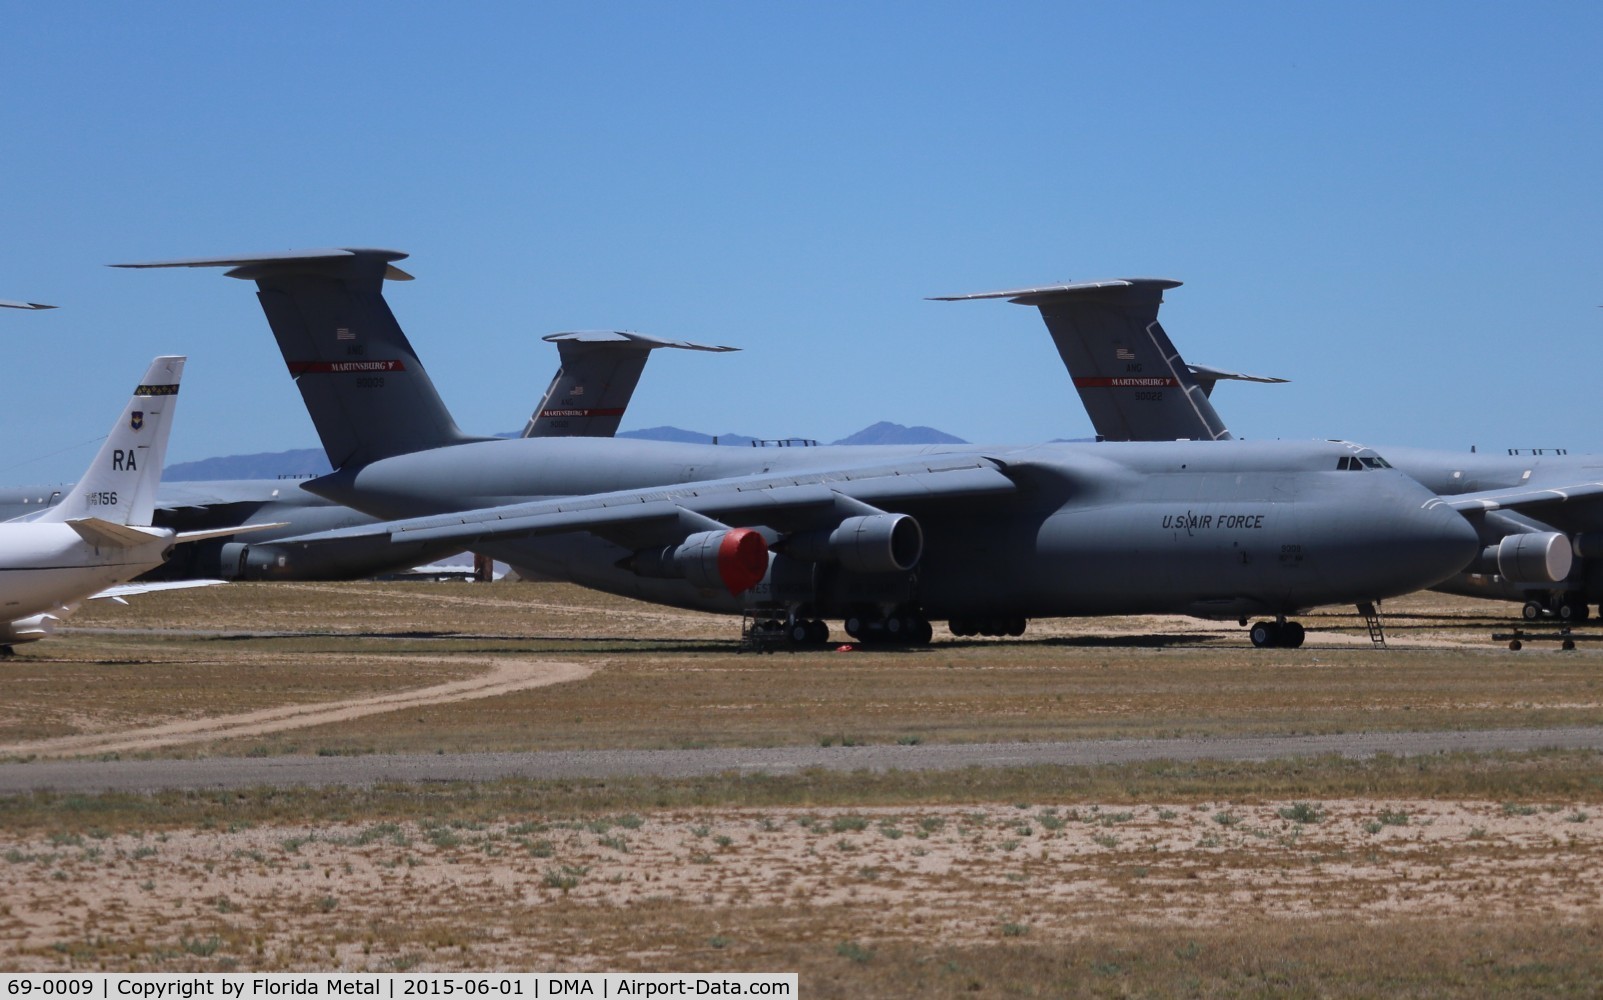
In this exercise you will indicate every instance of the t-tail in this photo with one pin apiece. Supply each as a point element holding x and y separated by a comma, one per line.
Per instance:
<point>120,484</point>
<point>1132,380</point>
<point>599,372</point>
<point>362,383</point>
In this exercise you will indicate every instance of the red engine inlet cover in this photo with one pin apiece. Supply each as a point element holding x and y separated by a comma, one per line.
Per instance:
<point>742,559</point>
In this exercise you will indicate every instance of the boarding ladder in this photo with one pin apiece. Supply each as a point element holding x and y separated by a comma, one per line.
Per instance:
<point>1377,631</point>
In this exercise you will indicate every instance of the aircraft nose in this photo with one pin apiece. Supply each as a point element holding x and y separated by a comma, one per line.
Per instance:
<point>1434,543</point>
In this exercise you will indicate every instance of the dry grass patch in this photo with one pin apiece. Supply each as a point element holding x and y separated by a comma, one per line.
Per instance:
<point>1063,884</point>
<point>667,678</point>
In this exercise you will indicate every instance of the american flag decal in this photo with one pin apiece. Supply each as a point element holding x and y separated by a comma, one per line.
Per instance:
<point>1123,354</point>
<point>344,333</point>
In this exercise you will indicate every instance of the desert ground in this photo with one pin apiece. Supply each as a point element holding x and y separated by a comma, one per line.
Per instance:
<point>1450,874</point>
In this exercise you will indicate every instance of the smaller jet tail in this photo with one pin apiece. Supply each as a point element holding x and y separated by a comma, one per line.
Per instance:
<point>598,375</point>
<point>119,487</point>
<point>1134,384</point>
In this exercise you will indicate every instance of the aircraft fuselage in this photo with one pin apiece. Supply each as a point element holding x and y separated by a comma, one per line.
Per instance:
<point>1215,529</point>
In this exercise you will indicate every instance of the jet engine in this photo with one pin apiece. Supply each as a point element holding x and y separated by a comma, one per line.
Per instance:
<point>243,561</point>
<point>30,629</point>
<point>335,559</point>
<point>1538,557</point>
<point>1589,544</point>
<point>733,558</point>
<point>872,543</point>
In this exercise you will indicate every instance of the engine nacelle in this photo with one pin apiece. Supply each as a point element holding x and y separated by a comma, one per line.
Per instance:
<point>1540,557</point>
<point>30,629</point>
<point>735,559</point>
<point>872,543</point>
<point>1589,544</point>
<point>243,561</point>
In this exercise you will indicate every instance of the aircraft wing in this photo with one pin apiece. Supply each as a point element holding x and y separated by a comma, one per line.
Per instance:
<point>125,590</point>
<point>1570,508</point>
<point>8,304</point>
<point>640,517</point>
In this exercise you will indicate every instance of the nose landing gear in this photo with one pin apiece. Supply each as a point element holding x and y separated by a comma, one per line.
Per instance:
<point>1278,634</point>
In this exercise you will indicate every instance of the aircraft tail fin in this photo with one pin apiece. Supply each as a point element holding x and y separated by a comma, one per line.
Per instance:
<point>362,383</point>
<point>1134,384</point>
<point>119,487</point>
<point>598,375</point>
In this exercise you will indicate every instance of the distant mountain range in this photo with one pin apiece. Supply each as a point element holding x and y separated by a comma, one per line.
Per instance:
<point>312,462</point>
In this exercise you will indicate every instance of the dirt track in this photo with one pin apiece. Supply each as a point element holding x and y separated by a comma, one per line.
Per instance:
<point>503,677</point>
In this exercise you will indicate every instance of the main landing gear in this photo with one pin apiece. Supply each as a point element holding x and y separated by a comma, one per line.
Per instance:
<point>807,632</point>
<point>765,635</point>
<point>1567,607</point>
<point>965,627</point>
<point>1279,634</point>
<point>907,629</point>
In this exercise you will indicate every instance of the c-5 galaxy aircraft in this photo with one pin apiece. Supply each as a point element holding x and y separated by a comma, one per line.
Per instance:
<point>587,398</point>
<point>887,538</point>
<point>99,535</point>
<point>1541,528</point>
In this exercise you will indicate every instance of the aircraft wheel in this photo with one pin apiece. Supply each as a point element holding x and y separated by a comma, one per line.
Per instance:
<point>853,627</point>
<point>1291,635</point>
<point>1016,626</point>
<point>922,631</point>
<point>1571,608</point>
<point>1531,611</point>
<point>799,632</point>
<point>1264,635</point>
<point>817,632</point>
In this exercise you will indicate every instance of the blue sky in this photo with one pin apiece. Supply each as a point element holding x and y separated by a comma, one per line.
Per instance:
<point>1394,205</point>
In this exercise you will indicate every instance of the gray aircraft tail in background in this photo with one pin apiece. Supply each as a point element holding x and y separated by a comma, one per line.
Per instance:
<point>1549,558</point>
<point>1134,384</point>
<point>338,336</point>
<point>599,372</point>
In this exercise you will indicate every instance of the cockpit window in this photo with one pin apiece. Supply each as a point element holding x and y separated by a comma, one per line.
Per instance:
<point>1361,461</point>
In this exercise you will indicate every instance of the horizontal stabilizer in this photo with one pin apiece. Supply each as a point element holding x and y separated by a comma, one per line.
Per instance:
<point>1206,374</point>
<point>281,258</point>
<point>110,535</point>
<point>625,339</point>
<point>8,304</point>
<point>1048,293</point>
